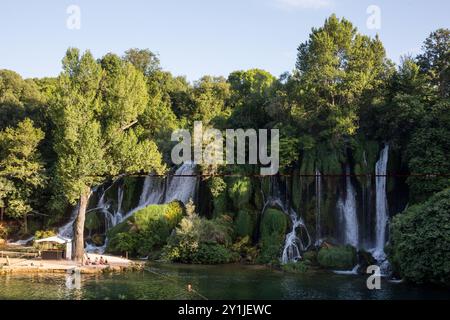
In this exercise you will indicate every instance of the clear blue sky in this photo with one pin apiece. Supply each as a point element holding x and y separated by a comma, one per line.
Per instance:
<point>198,37</point>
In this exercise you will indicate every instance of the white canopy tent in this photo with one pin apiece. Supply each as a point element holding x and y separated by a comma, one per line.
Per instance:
<point>60,240</point>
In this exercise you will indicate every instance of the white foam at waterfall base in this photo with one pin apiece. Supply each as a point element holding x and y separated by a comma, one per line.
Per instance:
<point>347,211</point>
<point>354,271</point>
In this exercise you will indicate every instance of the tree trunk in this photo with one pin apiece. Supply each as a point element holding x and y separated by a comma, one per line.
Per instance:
<point>79,228</point>
<point>25,223</point>
<point>1,213</point>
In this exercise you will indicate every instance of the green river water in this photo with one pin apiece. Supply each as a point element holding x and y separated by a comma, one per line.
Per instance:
<point>211,282</point>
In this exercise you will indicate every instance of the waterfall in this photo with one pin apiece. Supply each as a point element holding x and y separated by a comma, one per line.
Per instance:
<point>347,212</point>
<point>66,230</point>
<point>293,244</point>
<point>381,205</point>
<point>318,203</point>
<point>152,191</point>
<point>182,185</point>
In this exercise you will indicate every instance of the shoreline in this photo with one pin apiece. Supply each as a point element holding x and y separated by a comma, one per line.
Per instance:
<point>38,266</point>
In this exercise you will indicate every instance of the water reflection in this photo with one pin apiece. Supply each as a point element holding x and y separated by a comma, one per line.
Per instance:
<point>213,282</point>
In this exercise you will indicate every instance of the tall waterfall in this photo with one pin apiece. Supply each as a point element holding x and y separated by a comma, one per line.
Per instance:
<point>347,213</point>
<point>381,204</point>
<point>318,205</point>
<point>293,244</point>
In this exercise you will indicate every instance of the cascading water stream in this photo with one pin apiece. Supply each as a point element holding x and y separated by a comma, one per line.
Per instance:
<point>293,244</point>
<point>381,205</point>
<point>347,212</point>
<point>318,205</point>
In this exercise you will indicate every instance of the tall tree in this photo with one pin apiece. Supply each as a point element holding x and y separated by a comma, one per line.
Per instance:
<point>435,60</point>
<point>21,169</point>
<point>143,59</point>
<point>96,106</point>
<point>338,70</point>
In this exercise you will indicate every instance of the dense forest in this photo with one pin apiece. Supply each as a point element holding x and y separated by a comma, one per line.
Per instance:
<point>104,124</point>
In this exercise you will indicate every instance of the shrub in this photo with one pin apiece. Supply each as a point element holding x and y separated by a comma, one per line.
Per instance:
<point>273,230</point>
<point>41,234</point>
<point>310,257</point>
<point>243,225</point>
<point>339,257</point>
<point>420,241</point>
<point>199,240</point>
<point>244,249</point>
<point>212,253</point>
<point>148,228</point>
<point>295,267</point>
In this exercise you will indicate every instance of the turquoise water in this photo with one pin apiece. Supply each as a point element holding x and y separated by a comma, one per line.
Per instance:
<point>212,282</point>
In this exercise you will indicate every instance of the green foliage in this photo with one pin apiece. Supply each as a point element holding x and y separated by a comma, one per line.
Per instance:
<point>240,192</point>
<point>21,168</point>
<point>310,257</point>
<point>212,253</point>
<point>244,249</point>
<point>295,267</point>
<point>143,60</point>
<point>273,230</point>
<point>146,231</point>
<point>195,239</point>
<point>434,61</point>
<point>42,234</point>
<point>93,221</point>
<point>337,69</point>
<point>339,257</point>
<point>420,241</point>
<point>243,224</point>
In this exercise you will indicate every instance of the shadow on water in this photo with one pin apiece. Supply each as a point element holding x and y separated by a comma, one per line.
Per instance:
<point>213,282</point>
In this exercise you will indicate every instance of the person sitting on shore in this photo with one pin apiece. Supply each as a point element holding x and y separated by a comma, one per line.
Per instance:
<point>88,261</point>
<point>102,261</point>
<point>96,261</point>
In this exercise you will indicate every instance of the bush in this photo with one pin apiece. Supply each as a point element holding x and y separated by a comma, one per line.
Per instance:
<point>199,240</point>
<point>41,234</point>
<point>243,225</point>
<point>339,257</point>
<point>148,229</point>
<point>212,253</point>
<point>420,241</point>
<point>295,267</point>
<point>244,249</point>
<point>273,230</point>
<point>310,257</point>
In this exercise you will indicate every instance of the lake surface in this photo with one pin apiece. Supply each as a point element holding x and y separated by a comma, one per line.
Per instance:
<point>212,282</point>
